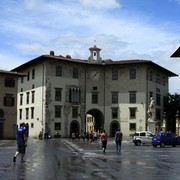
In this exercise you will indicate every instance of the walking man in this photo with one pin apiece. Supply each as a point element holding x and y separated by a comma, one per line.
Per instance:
<point>118,140</point>
<point>21,138</point>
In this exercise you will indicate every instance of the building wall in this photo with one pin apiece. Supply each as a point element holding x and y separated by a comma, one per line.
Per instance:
<point>8,120</point>
<point>37,85</point>
<point>46,81</point>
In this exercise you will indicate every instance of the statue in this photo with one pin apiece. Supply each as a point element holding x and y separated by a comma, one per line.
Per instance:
<point>151,110</point>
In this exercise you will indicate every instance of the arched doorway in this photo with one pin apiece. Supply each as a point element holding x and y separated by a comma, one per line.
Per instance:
<point>74,127</point>
<point>113,128</point>
<point>98,119</point>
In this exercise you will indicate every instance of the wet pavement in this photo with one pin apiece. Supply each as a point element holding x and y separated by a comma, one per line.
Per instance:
<point>65,159</point>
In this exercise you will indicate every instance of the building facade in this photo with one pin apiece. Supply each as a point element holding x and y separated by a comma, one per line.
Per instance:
<point>8,108</point>
<point>59,92</point>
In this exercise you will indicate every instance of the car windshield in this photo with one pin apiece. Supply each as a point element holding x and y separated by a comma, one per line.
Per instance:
<point>157,135</point>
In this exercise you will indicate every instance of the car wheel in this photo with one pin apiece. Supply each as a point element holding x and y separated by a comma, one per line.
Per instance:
<point>138,143</point>
<point>162,145</point>
<point>154,145</point>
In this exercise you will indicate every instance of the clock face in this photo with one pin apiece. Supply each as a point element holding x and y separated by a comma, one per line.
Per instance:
<point>95,75</point>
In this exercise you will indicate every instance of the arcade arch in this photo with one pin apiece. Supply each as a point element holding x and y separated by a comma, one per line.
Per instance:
<point>113,127</point>
<point>94,120</point>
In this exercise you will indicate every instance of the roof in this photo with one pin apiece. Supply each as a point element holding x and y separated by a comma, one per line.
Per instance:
<point>107,62</point>
<point>176,53</point>
<point>11,73</point>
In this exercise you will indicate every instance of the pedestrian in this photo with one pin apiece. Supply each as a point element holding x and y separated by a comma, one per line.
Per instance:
<point>95,136</point>
<point>118,140</point>
<point>104,141</point>
<point>91,136</point>
<point>21,139</point>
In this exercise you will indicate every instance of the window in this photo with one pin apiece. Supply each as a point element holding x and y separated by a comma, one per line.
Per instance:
<point>132,74</point>
<point>158,90</point>
<point>74,112</point>
<point>58,70</point>
<point>132,112</point>
<point>74,95</point>
<point>57,126</point>
<point>150,76</point>
<point>164,80</point>
<point>20,114</point>
<point>94,88</point>
<point>27,113</point>
<point>114,113</point>
<point>132,97</point>
<point>22,79</point>
<point>33,96</point>
<point>142,134</point>
<point>57,111</point>
<point>114,97</point>
<point>150,95</point>
<point>132,126</point>
<point>114,75</point>
<point>27,98</point>
<point>158,99</point>
<point>32,125</point>
<point>28,74</point>
<point>33,73</point>
<point>9,82</point>
<point>21,99</point>
<point>75,73</point>
<point>8,100</point>
<point>58,94</point>
<point>94,98</point>
<point>158,114</point>
<point>158,79</point>
<point>32,112</point>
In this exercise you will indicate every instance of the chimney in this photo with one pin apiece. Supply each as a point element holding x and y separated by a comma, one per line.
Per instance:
<point>52,53</point>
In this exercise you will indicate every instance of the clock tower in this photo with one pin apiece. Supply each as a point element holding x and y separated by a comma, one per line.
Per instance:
<point>94,54</point>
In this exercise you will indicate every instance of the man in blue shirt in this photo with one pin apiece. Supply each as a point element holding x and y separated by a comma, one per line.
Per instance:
<point>21,138</point>
<point>118,140</point>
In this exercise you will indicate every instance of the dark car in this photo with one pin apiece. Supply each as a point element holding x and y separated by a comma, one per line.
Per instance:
<point>165,138</point>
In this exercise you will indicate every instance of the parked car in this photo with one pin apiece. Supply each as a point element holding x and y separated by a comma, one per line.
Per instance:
<point>142,137</point>
<point>165,138</point>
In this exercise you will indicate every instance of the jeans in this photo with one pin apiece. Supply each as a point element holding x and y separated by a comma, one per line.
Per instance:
<point>118,146</point>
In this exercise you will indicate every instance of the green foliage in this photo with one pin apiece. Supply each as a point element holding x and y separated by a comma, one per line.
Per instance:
<point>171,106</point>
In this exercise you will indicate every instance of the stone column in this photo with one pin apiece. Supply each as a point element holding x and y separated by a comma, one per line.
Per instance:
<point>164,125</point>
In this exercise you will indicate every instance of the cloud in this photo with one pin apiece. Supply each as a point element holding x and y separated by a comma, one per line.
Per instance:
<point>30,48</point>
<point>100,4</point>
<point>71,27</point>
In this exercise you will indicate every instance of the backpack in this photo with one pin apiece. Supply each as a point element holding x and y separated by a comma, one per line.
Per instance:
<point>118,136</point>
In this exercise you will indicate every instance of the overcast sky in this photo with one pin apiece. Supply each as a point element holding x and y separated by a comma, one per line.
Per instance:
<point>123,29</point>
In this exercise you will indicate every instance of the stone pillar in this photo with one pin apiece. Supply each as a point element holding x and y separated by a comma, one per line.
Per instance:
<point>152,127</point>
<point>177,123</point>
<point>164,125</point>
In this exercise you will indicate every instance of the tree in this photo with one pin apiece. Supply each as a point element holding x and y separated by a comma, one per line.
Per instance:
<point>171,106</point>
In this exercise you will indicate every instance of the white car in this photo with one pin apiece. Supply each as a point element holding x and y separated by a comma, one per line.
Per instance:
<point>142,137</point>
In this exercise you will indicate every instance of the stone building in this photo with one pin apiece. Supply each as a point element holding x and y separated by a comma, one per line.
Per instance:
<point>58,92</point>
<point>8,108</point>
